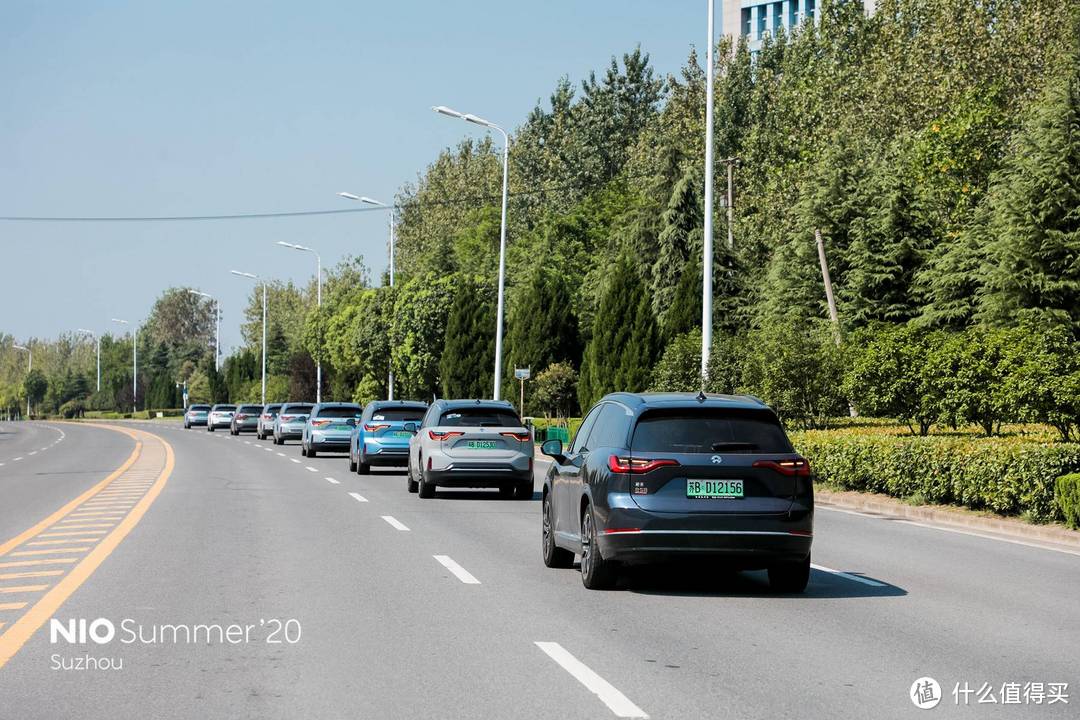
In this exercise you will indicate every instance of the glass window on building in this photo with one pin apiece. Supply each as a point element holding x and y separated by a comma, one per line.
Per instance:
<point>759,10</point>
<point>811,9</point>
<point>745,22</point>
<point>793,13</point>
<point>777,15</point>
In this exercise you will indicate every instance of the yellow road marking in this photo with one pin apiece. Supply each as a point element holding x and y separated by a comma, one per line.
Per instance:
<point>43,561</point>
<point>61,542</point>
<point>77,532</point>
<point>12,606</point>
<point>22,629</point>
<point>21,588</point>
<point>31,574</point>
<point>50,551</point>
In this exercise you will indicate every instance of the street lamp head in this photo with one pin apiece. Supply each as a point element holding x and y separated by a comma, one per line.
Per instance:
<point>443,110</point>
<point>348,196</point>
<point>118,320</point>
<point>372,201</point>
<point>476,120</point>
<point>244,274</point>
<point>294,246</point>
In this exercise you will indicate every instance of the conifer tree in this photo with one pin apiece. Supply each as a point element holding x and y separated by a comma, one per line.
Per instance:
<point>469,350</point>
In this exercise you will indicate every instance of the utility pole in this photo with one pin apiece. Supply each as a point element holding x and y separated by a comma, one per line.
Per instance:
<point>828,285</point>
<point>707,243</point>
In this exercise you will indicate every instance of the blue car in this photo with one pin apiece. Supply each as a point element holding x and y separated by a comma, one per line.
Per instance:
<point>380,438</point>
<point>329,428</point>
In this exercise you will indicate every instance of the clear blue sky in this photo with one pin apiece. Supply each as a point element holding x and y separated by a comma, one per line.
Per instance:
<point>192,108</point>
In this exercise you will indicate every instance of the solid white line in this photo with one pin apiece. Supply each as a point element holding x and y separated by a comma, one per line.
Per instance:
<point>846,576</point>
<point>459,572</point>
<point>615,700</point>
<point>357,496</point>
<point>312,469</point>
<point>332,480</point>
<point>991,537</point>
<point>395,523</point>
<point>958,531</point>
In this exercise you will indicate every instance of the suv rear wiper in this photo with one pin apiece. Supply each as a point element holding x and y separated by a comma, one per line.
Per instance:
<point>734,446</point>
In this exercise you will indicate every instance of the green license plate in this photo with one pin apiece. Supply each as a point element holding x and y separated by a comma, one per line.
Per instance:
<point>714,488</point>
<point>401,433</point>
<point>341,427</point>
<point>481,445</point>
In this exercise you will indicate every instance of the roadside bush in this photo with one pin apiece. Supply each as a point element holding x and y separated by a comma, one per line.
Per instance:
<point>1067,495</point>
<point>1007,475</point>
<point>72,409</point>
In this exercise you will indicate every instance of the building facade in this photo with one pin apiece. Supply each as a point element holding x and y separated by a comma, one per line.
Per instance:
<point>757,19</point>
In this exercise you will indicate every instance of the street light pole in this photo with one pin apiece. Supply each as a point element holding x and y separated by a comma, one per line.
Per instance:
<point>468,117</point>
<point>707,244</point>
<point>97,343</point>
<point>29,369</point>
<point>134,365</point>
<point>370,201</point>
<point>217,326</point>
<point>318,285</point>
<point>259,280</point>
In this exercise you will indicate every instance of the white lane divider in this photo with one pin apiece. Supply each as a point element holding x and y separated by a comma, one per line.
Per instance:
<point>608,694</point>
<point>33,452</point>
<point>332,480</point>
<point>847,576</point>
<point>358,497</point>
<point>395,523</point>
<point>279,454</point>
<point>312,469</point>
<point>295,460</point>
<point>17,459</point>
<point>459,572</point>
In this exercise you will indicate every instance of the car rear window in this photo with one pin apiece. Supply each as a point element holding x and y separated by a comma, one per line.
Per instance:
<point>400,414</point>
<point>251,409</point>
<point>272,408</point>
<point>299,409</point>
<point>199,408</point>
<point>709,430</point>
<point>340,412</point>
<point>225,408</point>
<point>480,417</point>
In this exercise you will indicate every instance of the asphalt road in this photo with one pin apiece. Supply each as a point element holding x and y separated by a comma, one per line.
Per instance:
<point>410,608</point>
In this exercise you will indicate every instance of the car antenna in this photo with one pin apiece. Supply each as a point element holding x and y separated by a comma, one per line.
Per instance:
<point>701,396</point>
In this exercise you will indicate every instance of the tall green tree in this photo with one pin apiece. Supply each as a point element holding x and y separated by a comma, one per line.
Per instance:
<point>467,359</point>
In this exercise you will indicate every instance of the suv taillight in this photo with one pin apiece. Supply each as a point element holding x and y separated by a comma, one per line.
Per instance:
<point>636,465</point>
<point>521,437</point>
<point>444,435</point>
<point>320,423</point>
<point>375,427</point>
<point>800,467</point>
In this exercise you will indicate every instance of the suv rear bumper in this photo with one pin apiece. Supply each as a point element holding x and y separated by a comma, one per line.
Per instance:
<point>374,454</point>
<point>745,539</point>
<point>474,477</point>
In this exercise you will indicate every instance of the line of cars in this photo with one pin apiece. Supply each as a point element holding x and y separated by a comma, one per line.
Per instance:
<point>648,477</point>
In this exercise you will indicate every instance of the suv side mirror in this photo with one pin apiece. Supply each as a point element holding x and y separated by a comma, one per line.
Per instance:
<point>554,449</point>
<point>410,427</point>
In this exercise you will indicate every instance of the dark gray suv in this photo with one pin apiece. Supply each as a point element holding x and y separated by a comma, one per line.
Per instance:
<point>655,477</point>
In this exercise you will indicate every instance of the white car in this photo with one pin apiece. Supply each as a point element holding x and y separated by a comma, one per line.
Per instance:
<point>471,444</point>
<point>220,417</point>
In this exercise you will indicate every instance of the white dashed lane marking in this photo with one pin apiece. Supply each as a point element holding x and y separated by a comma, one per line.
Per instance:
<point>332,480</point>
<point>395,523</point>
<point>608,693</point>
<point>358,497</point>
<point>459,572</point>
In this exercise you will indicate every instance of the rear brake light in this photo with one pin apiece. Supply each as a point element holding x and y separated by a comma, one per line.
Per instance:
<point>375,428</point>
<point>792,468</point>
<point>320,423</point>
<point>611,531</point>
<point>522,437</point>
<point>241,416</point>
<point>287,418</point>
<point>637,466</point>
<point>445,435</point>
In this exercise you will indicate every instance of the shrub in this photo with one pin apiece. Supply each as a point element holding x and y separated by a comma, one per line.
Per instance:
<point>1007,475</point>
<point>1067,495</point>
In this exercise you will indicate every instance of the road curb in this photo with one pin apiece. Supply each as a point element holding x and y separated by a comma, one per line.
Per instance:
<point>946,516</point>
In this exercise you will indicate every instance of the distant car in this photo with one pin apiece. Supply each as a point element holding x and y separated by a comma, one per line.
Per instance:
<point>329,428</point>
<point>220,417</point>
<point>245,418</point>
<point>657,477</point>
<point>380,438</point>
<point>195,415</point>
<point>289,423</point>
<point>266,420</point>
<point>474,444</point>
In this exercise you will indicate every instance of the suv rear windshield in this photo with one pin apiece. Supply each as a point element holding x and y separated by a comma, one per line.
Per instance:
<point>271,409</point>
<point>479,417</point>
<point>709,430</point>
<point>199,408</point>
<point>225,408</point>
<point>299,409</point>
<point>340,412</point>
<point>400,414</point>
<point>251,409</point>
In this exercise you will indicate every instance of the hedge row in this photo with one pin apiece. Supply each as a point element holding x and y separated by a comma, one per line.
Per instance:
<point>1011,476</point>
<point>1068,499</point>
